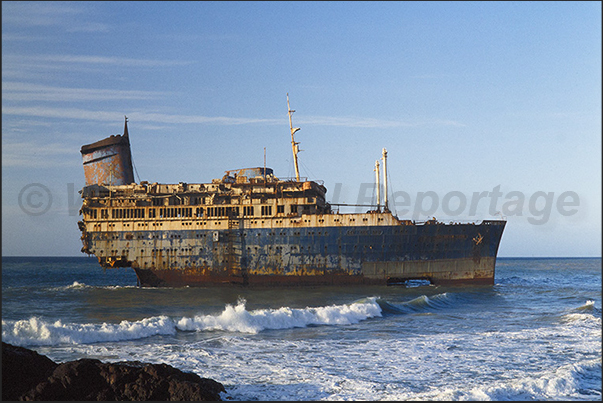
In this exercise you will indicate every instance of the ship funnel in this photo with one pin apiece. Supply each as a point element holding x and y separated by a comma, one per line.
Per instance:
<point>109,161</point>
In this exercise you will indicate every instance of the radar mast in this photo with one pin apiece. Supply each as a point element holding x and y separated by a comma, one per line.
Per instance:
<point>294,144</point>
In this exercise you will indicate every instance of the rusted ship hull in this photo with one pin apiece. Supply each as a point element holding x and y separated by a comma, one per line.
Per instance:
<point>250,227</point>
<point>449,272</point>
<point>308,255</point>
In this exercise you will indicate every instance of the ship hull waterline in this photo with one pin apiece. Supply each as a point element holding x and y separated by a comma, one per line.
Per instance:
<point>439,253</point>
<point>449,272</point>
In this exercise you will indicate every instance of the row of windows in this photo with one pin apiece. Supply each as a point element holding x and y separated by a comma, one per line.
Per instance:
<point>172,212</point>
<point>194,201</point>
<point>223,211</point>
<point>175,212</point>
<point>122,213</point>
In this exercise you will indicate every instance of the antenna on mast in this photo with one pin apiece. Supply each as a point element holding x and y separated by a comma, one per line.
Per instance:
<point>384,158</point>
<point>294,144</point>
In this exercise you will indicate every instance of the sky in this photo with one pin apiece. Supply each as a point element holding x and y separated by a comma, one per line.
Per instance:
<point>487,110</point>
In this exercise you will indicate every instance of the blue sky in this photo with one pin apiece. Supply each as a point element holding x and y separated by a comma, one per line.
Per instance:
<point>468,98</point>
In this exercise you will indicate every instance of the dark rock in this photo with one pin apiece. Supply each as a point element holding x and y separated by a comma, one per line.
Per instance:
<point>22,369</point>
<point>89,379</point>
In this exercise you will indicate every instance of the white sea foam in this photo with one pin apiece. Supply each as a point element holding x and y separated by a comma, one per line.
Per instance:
<point>76,285</point>
<point>574,381</point>
<point>238,319</point>
<point>585,313</point>
<point>35,331</point>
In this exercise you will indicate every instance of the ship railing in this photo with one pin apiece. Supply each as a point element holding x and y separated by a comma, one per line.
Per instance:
<point>293,179</point>
<point>302,179</point>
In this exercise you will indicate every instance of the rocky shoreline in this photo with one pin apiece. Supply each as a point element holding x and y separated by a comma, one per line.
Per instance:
<point>27,375</point>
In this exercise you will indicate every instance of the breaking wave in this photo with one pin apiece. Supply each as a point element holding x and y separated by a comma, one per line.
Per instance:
<point>584,313</point>
<point>35,331</point>
<point>422,303</point>
<point>76,285</point>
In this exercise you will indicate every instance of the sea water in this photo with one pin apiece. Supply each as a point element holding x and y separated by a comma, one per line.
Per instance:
<point>534,335</point>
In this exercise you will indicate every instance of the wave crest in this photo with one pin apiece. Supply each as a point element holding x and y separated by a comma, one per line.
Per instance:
<point>35,331</point>
<point>419,304</point>
<point>238,319</point>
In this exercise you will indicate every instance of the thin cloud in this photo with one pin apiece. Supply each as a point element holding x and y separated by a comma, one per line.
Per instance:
<point>350,121</point>
<point>74,113</point>
<point>145,117</point>
<point>38,13</point>
<point>44,60</point>
<point>35,155</point>
<point>72,16</point>
<point>19,91</point>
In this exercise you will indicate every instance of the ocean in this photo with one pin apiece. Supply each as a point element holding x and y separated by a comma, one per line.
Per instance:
<point>534,335</point>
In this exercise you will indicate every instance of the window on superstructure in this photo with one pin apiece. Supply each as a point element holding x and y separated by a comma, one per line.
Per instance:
<point>267,210</point>
<point>199,212</point>
<point>232,211</point>
<point>280,209</point>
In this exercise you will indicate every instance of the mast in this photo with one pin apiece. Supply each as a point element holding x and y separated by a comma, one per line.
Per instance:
<point>126,134</point>
<point>378,185</point>
<point>386,208</point>
<point>294,144</point>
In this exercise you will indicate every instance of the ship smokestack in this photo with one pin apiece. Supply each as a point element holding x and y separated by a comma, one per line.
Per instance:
<point>109,161</point>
